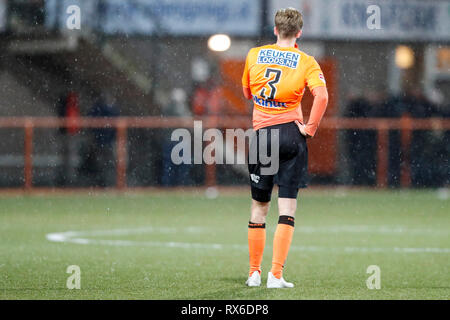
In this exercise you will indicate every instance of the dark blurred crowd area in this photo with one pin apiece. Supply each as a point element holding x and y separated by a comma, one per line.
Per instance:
<point>88,156</point>
<point>429,151</point>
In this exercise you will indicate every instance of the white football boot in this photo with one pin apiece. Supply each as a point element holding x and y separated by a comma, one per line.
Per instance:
<point>254,280</point>
<point>273,282</point>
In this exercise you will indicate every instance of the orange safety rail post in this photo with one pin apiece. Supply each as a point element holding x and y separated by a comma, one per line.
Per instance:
<point>382,155</point>
<point>406,136</point>
<point>210,169</point>
<point>122,154</point>
<point>28,154</point>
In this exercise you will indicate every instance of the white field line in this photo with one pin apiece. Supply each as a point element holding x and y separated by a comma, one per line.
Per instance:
<point>83,237</point>
<point>370,229</point>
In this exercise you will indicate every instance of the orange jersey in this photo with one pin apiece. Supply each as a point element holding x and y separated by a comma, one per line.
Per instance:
<point>277,78</point>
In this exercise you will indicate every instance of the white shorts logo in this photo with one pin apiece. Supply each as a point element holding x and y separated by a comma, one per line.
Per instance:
<point>255,178</point>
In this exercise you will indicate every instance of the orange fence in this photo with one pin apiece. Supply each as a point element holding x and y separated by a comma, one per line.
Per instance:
<point>406,125</point>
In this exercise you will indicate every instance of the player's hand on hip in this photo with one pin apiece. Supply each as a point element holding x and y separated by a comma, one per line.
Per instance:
<point>302,129</point>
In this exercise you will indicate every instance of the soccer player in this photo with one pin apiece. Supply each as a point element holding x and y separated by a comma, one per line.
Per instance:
<point>275,77</point>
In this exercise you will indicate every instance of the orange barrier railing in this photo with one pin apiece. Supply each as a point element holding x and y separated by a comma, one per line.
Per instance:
<point>406,125</point>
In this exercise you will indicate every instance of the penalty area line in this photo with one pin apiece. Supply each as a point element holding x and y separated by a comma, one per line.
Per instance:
<point>83,237</point>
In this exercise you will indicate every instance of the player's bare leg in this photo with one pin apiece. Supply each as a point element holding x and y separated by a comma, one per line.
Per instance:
<point>287,206</point>
<point>256,240</point>
<point>259,211</point>
<point>282,242</point>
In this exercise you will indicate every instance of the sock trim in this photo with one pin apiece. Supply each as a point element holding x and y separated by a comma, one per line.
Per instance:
<point>253,225</point>
<point>286,220</point>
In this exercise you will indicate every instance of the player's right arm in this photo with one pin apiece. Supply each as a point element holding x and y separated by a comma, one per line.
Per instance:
<point>247,93</point>
<point>246,80</point>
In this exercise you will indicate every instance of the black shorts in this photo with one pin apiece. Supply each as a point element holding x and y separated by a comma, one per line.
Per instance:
<point>292,172</point>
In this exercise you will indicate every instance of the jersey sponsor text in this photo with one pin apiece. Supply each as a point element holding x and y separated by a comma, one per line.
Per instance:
<point>281,58</point>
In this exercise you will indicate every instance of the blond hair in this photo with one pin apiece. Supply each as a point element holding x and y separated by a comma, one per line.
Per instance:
<point>288,22</point>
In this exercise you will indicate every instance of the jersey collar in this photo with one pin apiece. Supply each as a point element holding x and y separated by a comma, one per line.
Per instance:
<point>295,46</point>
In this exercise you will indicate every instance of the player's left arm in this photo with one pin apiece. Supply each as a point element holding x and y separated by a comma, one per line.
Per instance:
<point>317,85</point>
<point>318,109</point>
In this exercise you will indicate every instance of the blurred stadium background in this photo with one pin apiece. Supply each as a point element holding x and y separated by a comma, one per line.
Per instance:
<point>95,107</point>
<point>152,59</point>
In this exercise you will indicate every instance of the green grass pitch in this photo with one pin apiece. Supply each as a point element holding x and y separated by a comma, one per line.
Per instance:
<point>182,245</point>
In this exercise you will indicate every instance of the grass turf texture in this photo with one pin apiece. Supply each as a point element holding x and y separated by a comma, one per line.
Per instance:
<point>31,267</point>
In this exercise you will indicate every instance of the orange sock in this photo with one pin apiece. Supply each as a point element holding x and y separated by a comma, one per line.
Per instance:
<point>281,243</point>
<point>256,243</point>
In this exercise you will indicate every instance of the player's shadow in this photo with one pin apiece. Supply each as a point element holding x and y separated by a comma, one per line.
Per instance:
<point>236,289</point>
